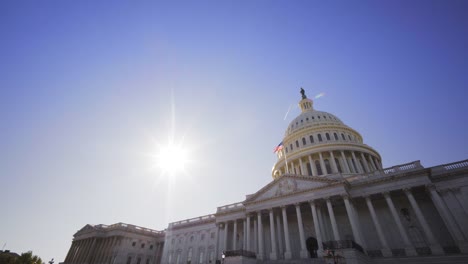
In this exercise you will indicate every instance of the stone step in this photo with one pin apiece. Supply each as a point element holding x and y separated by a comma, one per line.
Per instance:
<point>452,259</point>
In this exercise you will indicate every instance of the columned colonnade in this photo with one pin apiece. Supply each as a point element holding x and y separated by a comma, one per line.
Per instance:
<point>330,162</point>
<point>280,237</point>
<point>100,250</point>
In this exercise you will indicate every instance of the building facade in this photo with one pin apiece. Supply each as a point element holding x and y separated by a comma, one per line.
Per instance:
<point>117,243</point>
<point>329,196</point>
<point>329,191</point>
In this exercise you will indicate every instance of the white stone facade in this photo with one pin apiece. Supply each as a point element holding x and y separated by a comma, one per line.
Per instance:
<point>117,243</point>
<point>329,191</point>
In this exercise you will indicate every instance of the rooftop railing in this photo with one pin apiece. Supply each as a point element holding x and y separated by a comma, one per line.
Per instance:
<point>404,167</point>
<point>124,226</point>
<point>193,220</point>
<point>230,207</point>
<point>450,167</point>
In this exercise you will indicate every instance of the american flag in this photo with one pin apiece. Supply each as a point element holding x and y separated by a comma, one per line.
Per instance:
<point>278,148</point>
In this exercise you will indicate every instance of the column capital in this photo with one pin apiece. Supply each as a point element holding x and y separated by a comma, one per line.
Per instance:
<point>312,202</point>
<point>345,196</point>
<point>386,194</point>
<point>270,209</point>
<point>297,204</point>
<point>444,191</point>
<point>283,207</point>
<point>366,196</point>
<point>455,189</point>
<point>327,198</point>
<point>407,191</point>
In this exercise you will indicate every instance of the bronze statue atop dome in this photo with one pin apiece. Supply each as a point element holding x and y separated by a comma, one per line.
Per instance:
<point>303,93</point>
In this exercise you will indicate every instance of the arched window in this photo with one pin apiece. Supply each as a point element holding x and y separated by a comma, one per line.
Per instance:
<point>303,141</point>
<point>319,168</point>
<point>189,256</point>
<point>311,139</point>
<point>200,259</point>
<point>328,136</point>
<point>349,137</point>
<point>336,136</point>
<point>211,256</point>
<point>327,166</point>
<point>291,147</point>
<point>320,137</point>
<point>297,143</point>
<point>338,166</point>
<point>286,149</point>
<point>342,136</point>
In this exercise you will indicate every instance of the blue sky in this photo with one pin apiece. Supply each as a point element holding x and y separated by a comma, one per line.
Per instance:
<point>88,87</point>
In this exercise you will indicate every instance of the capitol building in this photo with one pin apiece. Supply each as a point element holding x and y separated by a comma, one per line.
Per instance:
<point>329,201</point>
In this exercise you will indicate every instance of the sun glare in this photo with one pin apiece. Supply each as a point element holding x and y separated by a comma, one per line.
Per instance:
<point>172,158</point>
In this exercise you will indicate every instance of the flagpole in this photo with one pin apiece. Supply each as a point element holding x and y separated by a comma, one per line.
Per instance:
<point>286,160</point>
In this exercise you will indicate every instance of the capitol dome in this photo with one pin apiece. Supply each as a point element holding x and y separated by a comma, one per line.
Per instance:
<point>317,143</point>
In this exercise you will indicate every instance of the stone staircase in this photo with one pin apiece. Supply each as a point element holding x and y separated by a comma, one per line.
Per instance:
<point>450,259</point>
<point>297,261</point>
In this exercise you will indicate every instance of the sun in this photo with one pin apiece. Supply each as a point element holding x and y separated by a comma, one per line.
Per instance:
<point>172,158</point>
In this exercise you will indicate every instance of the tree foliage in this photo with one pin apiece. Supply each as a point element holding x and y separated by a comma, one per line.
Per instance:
<point>24,258</point>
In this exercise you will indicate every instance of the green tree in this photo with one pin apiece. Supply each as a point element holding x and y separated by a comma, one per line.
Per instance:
<point>28,258</point>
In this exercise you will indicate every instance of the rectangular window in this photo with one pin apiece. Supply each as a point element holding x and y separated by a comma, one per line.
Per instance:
<point>297,143</point>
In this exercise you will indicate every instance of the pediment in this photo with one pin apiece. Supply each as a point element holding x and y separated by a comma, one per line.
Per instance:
<point>289,184</point>
<point>86,229</point>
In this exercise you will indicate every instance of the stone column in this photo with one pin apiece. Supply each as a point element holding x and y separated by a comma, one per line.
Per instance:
<point>287,253</point>
<point>312,166</point>
<point>102,246</point>
<point>301,165</point>
<point>459,196</point>
<point>345,162</point>
<point>336,234</point>
<point>456,210</point>
<point>352,220</point>
<point>372,162</point>
<point>75,251</point>
<point>434,245</point>
<point>378,164</point>
<point>322,164</point>
<point>333,162</point>
<point>364,161</point>
<point>248,233</point>
<point>448,220</point>
<point>234,236</point>
<point>304,253</point>
<point>358,165</point>
<point>410,251</point>
<point>217,241</point>
<point>279,237</point>
<point>226,231</point>
<point>350,163</point>
<point>99,248</point>
<point>90,250</point>
<point>260,236</point>
<point>81,251</point>
<point>255,248</point>
<point>273,254</point>
<point>67,258</point>
<point>317,229</point>
<point>321,222</point>
<point>386,252</point>
<point>244,234</point>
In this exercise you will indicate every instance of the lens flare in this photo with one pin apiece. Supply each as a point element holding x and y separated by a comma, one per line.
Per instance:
<point>319,95</point>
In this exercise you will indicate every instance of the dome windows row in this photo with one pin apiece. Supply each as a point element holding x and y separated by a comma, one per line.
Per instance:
<point>320,138</point>
<point>311,119</point>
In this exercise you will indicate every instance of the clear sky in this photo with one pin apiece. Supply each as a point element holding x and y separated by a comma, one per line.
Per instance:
<point>90,89</point>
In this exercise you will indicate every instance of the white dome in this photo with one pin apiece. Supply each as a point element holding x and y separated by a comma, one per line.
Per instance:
<point>317,143</point>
